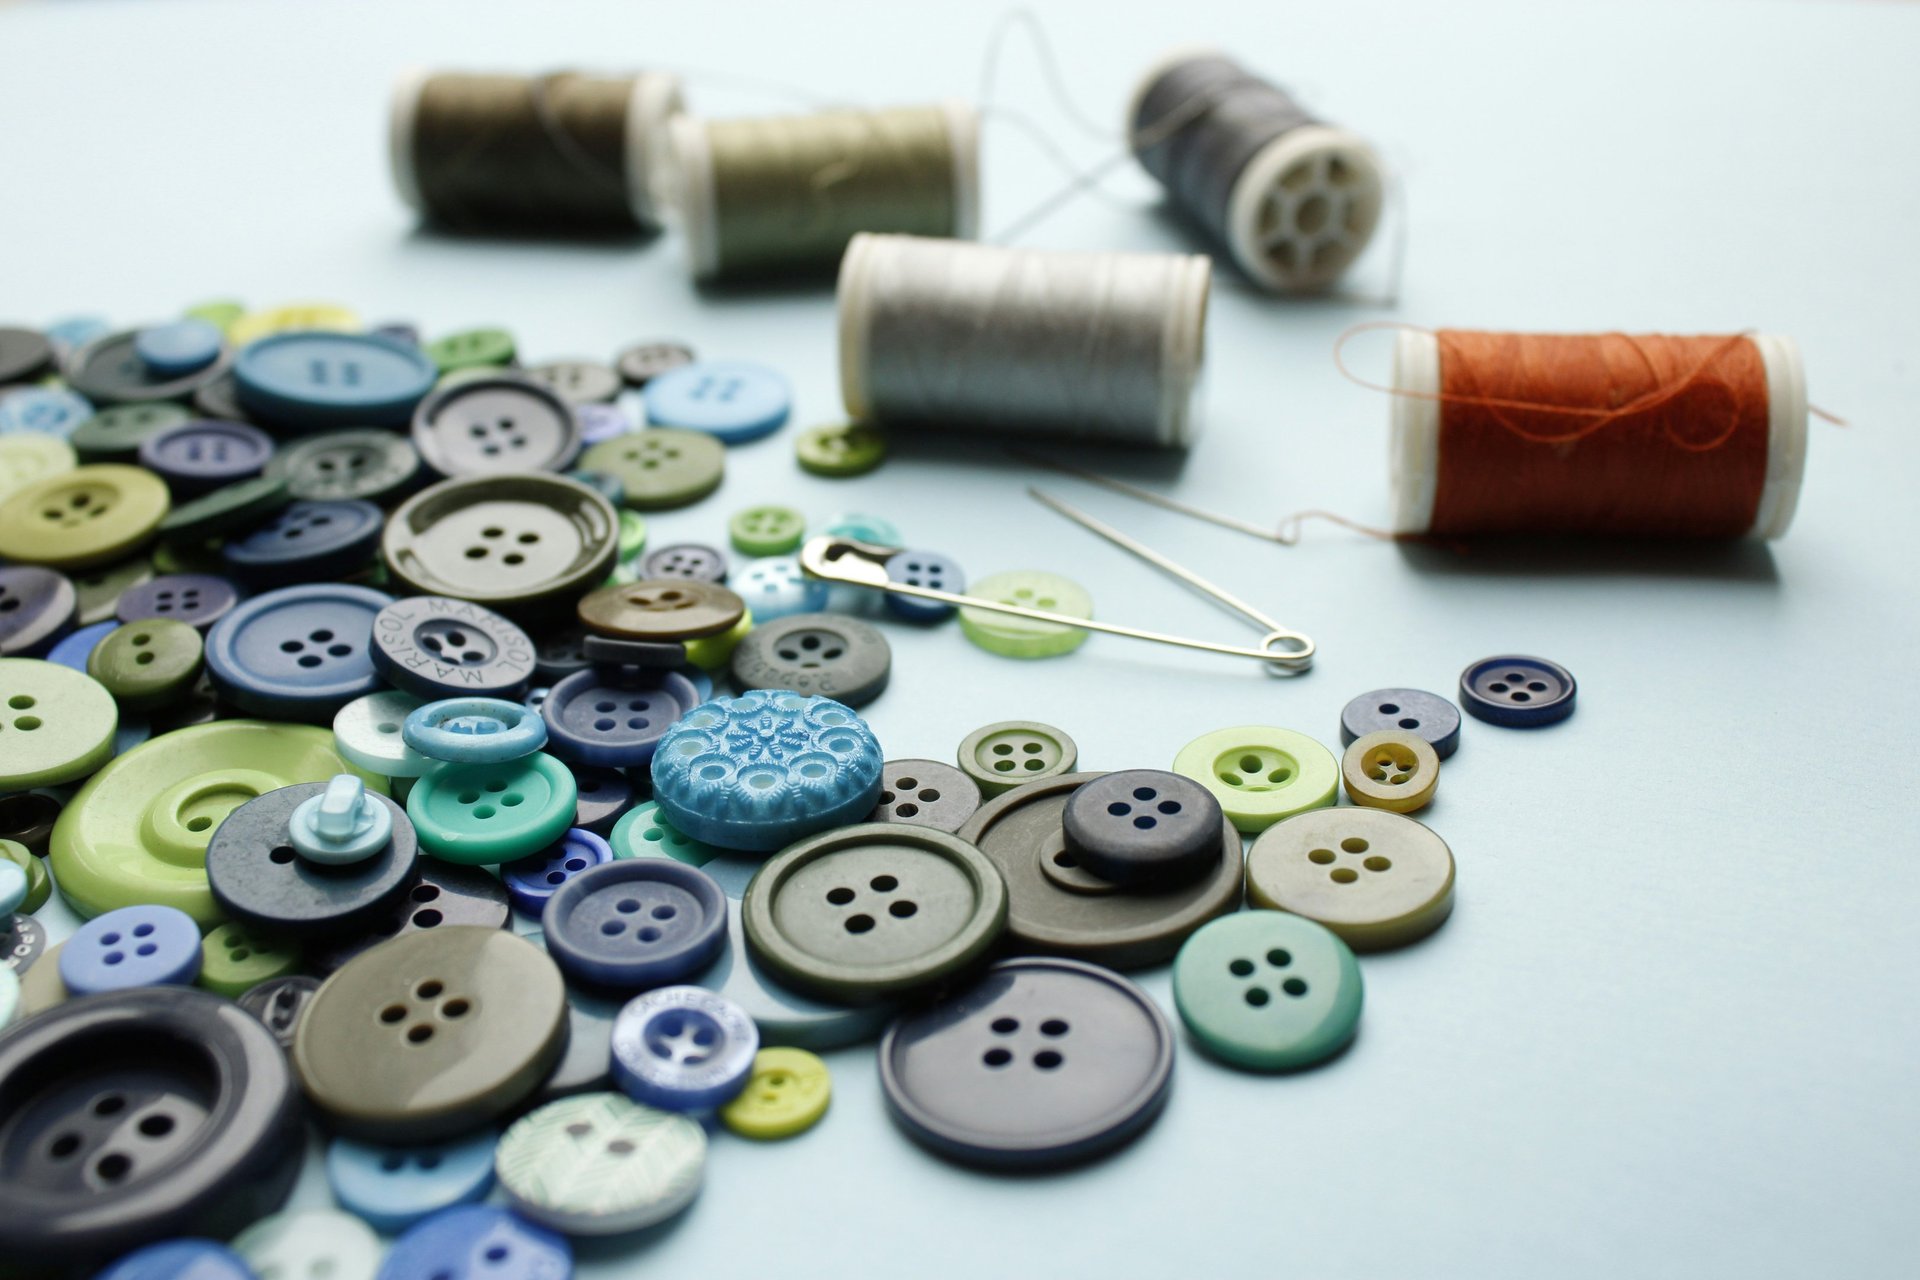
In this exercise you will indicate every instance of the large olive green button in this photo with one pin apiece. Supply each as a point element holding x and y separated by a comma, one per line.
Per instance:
<point>521,543</point>
<point>39,883</point>
<point>662,609</point>
<point>1261,774</point>
<point>1375,878</point>
<point>56,725</point>
<point>149,664</point>
<point>234,957</point>
<point>431,1034</point>
<point>87,516</point>
<point>1000,757</point>
<point>28,456</point>
<point>138,830</point>
<point>661,467</point>
<point>873,910</point>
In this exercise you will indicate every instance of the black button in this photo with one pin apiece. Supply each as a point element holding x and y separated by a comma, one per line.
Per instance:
<point>258,879</point>
<point>1144,827</point>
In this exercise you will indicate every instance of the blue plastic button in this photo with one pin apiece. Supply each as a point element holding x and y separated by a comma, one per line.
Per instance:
<point>532,881</point>
<point>474,730</point>
<point>70,333</point>
<point>877,530</point>
<point>199,456</point>
<point>180,1260</point>
<point>341,825</point>
<point>74,648</point>
<point>1517,692</point>
<point>47,411</point>
<point>927,569</point>
<point>138,946</point>
<point>197,599</point>
<point>307,542</point>
<point>613,716</point>
<point>601,422</point>
<point>392,1188</point>
<point>13,888</point>
<point>778,588</point>
<point>635,923</point>
<point>477,1242</point>
<point>682,1048</point>
<point>760,771</point>
<point>732,400</point>
<point>299,653</point>
<point>312,380</point>
<point>1426,715</point>
<point>177,348</point>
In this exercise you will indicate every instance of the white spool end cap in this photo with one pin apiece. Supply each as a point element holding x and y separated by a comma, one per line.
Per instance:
<point>963,136</point>
<point>1183,351</point>
<point>1304,207</point>
<point>687,191</point>
<point>854,295</point>
<point>655,103</point>
<point>402,109</point>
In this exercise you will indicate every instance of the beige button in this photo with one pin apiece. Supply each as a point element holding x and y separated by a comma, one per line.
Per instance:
<point>1375,878</point>
<point>1391,769</point>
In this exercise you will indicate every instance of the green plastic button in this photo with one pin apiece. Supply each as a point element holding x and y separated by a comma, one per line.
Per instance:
<point>1012,637</point>
<point>601,1164</point>
<point>39,883</point>
<point>643,833</point>
<point>524,544</point>
<point>100,589</point>
<point>1374,877</point>
<point>486,813</point>
<point>56,725</point>
<point>1268,991</point>
<point>1261,774</point>
<point>1001,756</point>
<point>841,449</point>
<point>471,349</point>
<point>87,516</point>
<point>138,830</point>
<point>234,957</point>
<point>326,317</point>
<point>115,434</point>
<point>230,507</point>
<point>767,531</point>
<point>660,467</point>
<point>27,457</point>
<point>713,653</point>
<point>633,535</point>
<point>221,313</point>
<point>149,664</point>
<point>787,1094</point>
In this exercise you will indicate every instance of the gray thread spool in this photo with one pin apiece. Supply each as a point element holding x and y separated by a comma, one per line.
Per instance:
<point>1295,200</point>
<point>1105,347</point>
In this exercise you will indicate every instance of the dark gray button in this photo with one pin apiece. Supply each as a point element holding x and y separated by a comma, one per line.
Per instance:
<point>820,653</point>
<point>693,561</point>
<point>280,1003</point>
<point>25,354</point>
<point>490,426</point>
<point>605,797</point>
<point>438,647</point>
<point>925,793</point>
<point>37,607</point>
<point>645,361</point>
<point>258,879</point>
<point>361,462</point>
<point>576,381</point>
<point>108,371</point>
<point>1144,827</point>
<point>605,651</point>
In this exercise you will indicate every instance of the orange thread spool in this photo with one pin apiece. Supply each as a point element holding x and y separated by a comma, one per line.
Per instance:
<point>1604,435</point>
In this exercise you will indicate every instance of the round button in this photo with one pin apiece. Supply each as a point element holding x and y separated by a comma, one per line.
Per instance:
<point>488,813</point>
<point>136,1116</point>
<point>367,734</point>
<point>787,1094</point>
<point>766,531</point>
<point>149,665</point>
<point>27,817</point>
<point>443,894</point>
<point>367,463</point>
<point>615,717</point>
<point>392,1188</point>
<point>925,793</point>
<point>315,380</point>
<point>1429,715</point>
<point>605,651</point>
<point>532,881</point>
<point>436,647</point>
<point>37,607</point>
<point>431,1034</point>
<point>1015,637</point>
<point>180,1260</point>
<point>25,354</point>
<point>495,425</point>
<point>306,542</point>
<point>760,771</point>
<point>683,1049</point>
<point>731,400</point>
<point>635,923</point>
<point>645,361</point>
<point>689,561</point>
<point>108,371</point>
<point>84,517</point>
<point>669,609</point>
<point>600,422</point>
<point>1261,774</point>
<point>477,1242</point>
<point>576,381</point>
<point>293,317</point>
<point>1391,769</point>
<point>661,468</point>
<point>26,458</point>
<point>474,730</point>
<point>874,910</point>
<point>312,1242</point>
<point>605,797</point>
<point>341,825</point>
<point>196,456</point>
<point>927,569</point>
<point>197,599</point>
<point>1377,879</point>
<point>56,725</point>
<point>298,653</point>
<point>35,885</point>
<point>115,434</point>
<point>234,960</point>
<point>140,946</point>
<point>178,347</point>
<point>280,1003</point>
<point>211,515</point>
<point>1054,905</point>
<point>100,589</point>
<point>600,1164</point>
<point>1268,991</point>
<point>836,657</point>
<point>1002,756</point>
<point>779,588</point>
<point>520,543</point>
<point>645,833</point>
<point>1513,692</point>
<point>257,876</point>
<point>840,449</point>
<point>472,349</point>
<point>1043,1062</point>
<point>50,411</point>
<point>1144,827</point>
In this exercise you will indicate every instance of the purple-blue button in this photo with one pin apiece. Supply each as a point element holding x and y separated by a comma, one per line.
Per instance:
<point>197,599</point>
<point>138,946</point>
<point>199,456</point>
<point>531,881</point>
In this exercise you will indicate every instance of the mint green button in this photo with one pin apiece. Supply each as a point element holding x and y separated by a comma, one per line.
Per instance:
<point>766,531</point>
<point>1268,990</point>
<point>471,349</point>
<point>643,833</point>
<point>56,725</point>
<point>485,813</point>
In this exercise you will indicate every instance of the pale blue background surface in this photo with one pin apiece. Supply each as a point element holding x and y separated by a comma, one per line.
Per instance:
<point>1671,1028</point>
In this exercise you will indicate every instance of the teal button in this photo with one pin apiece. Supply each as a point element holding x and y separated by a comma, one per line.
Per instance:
<point>1268,990</point>
<point>487,813</point>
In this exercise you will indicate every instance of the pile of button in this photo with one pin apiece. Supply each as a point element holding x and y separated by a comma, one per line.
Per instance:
<point>311,691</point>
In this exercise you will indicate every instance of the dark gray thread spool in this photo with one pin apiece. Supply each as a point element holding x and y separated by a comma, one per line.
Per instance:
<point>1293,199</point>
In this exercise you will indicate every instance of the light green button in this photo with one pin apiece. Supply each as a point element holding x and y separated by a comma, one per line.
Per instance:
<point>1012,637</point>
<point>600,1164</point>
<point>56,725</point>
<point>711,653</point>
<point>643,833</point>
<point>1268,990</point>
<point>84,517</point>
<point>767,531</point>
<point>138,830</point>
<point>1261,774</point>
<point>221,313</point>
<point>234,957</point>
<point>787,1094</point>
<point>486,813</point>
<point>633,534</point>
<point>39,883</point>
<point>115,434</point>
<point>147,665</point>
<point>661,467</point>
<point>471,348</point>
<point>840,449</point>
<point>28,456</point>
<point>319,1244</point>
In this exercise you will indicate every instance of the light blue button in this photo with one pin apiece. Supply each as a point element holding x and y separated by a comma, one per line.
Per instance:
<point>180,1260</point>
<point>311,380</point>
<point>341,825</point>
<point>47,411</point>
<point>864,528</point>
<point>13,888</point>
<point>9,994</point>
<point>474,730</point>
<point>137,946</point>
<point>76,646</point>
<point>734,401</point>
<point>177,348</point>
<point>777,588</point>
<point>394,1187</point>
<point>70,333</point>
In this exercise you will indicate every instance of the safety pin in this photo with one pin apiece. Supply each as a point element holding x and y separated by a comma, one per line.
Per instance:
<point>863,564</point>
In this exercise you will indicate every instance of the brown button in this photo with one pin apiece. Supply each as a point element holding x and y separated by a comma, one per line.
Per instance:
<point>662,609</point>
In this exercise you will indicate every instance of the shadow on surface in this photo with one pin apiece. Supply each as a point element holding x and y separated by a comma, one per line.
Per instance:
<point>1739,562</point>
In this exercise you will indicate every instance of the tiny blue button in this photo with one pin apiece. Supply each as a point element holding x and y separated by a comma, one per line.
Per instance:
<point>180,1260</point>
<point>635,923</point>
<point>74,649</point>
<point>341,825</point>
<point>1517,692</point>
<point>307,542</point>
<point>615,717</point>
<point>47,411</point>
<point>138,946</point>
<point>927,569</point>
<point>732,400</point>
<point>392,1188</point>
<point>177,348</point>
<point>299,653</point>
<point>198,456</point>
<point>477,1242</point>
<point>682,1048</point>
<point>777,588</point>
<point>532,881</point>
<point>474,730</point>
<point>312,380</point>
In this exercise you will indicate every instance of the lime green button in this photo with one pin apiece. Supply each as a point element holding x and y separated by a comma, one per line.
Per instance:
<point>1012,637</point>
<point>87,516</point>
<point>633,534</point>
<point>115,434</point>
<point>486,813</point>
<point>39,883</point>
<point>229,507</point>
<point>841,449</point>
<point>643,833</point>
<point>326,317</point>
<point>149,664</point>
<point>1268,991</point>
<point>56,725</point>
<point>471,348</point>
<point>138,830</point>
<point>711,653</point>
<point>786,1094</point>
<point>100,589</point>
<point>1261,774</point>
<point>27,457</point>
<point>767,531</point>
<point>234,957</point>
<point>661,467</point>
<point>221,313</point>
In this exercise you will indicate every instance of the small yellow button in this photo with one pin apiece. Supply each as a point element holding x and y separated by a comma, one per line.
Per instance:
<point>787,1094</point>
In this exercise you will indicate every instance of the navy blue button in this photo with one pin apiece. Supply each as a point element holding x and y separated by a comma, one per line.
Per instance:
<point>306,542</point>
<point>615,717</point>
<point>299,653</point>
<point>138,946</point>
<point>532,881</point>
<point>37,607</point>
<point>1517,692</point>
<point>682,1048</point>
<point>923,569</point>
<point>180,1260</point>
<point>732,400</point>
<point>75,647</point>
<point>1415,711</point>
<point>474,730</point>
<point>635,923</point>
<point>693,561</point>
<point>199,456</point>
<point>607,651</point>
<point>311,380</point>
<point>197,599</point>
<point>477,1242</point>
<point>178,347</point>
<point>394,1187</point>
<point>437,647</point>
